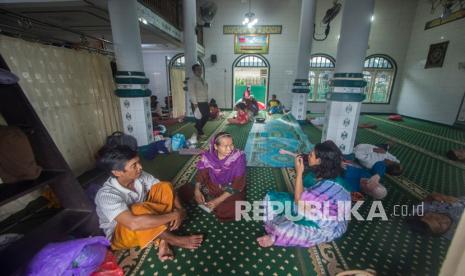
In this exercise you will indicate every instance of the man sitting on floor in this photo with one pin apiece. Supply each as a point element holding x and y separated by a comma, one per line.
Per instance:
<point>135,208</point>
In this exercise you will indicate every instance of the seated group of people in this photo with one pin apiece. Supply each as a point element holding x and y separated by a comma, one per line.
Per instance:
<point>248,107</point>
<point>136,209</point>
<point>245,109</point>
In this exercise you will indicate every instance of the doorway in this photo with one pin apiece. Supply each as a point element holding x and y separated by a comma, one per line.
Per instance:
<point>177,75</point>
<point>251,72</point>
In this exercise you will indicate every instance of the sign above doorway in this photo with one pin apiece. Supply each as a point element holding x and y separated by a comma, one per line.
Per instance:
<point>251,43</point>
<point>257,29</point>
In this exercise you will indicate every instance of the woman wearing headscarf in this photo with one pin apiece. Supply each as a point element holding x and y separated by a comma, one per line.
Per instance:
<point>220,180</point>
<point>322,186</point>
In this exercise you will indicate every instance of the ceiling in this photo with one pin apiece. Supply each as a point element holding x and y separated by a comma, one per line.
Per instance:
<point>70,22</point>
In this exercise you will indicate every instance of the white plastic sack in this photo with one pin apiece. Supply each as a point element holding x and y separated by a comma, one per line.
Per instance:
<point>197,113</point>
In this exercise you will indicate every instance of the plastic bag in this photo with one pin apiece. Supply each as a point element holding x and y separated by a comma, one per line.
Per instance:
<point>75,257</point>
<point>197,114</point>
<point>109,267</point>
<point>178,141</point>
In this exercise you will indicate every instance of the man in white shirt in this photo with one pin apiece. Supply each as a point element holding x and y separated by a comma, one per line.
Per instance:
<point>377,159</point>
<point>135,208</point>
<point>198,90</point>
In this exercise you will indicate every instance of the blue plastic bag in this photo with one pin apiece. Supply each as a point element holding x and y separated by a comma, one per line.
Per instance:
<point>178,141</point>
<point>72,258</point>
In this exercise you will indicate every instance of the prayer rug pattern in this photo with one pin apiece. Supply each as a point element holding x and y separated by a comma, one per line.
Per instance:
<point>389,247</point>
<point>266,139</point>
<point>229,248</point>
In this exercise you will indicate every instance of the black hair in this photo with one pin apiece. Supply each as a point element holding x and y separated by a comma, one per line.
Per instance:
<point>394,169</point>
<point>212,101</point>
<point>114,158</point>
<point>418,226</point>
<point>273,96</point>
<point>330,160</point>
<point>195,66</point>
<point>241,106</point>
<point>220,135</point>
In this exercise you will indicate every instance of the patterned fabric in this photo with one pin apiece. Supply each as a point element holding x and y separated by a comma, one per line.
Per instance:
<point>225,211</point>
<point>113,199</point>
<point>222,172</point>
<point>305,233</point>
<point>265,141</point>
<point>71,91</point>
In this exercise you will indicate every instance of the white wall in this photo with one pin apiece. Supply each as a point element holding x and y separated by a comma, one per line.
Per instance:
<point>433,94</point>
<point>155,70</point>
<point>390,34</point>
<point>282,57</point>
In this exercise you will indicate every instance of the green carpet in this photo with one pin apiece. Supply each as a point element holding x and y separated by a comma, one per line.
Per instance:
<point>388,247</point>
<point>229,248</point>
<point>165,167</point>
<point>439,139</point>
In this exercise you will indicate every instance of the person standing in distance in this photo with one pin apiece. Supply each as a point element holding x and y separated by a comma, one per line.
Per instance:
<point>198,89</point>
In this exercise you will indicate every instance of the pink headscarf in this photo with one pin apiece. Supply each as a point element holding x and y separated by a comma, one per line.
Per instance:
<point>222,172</point>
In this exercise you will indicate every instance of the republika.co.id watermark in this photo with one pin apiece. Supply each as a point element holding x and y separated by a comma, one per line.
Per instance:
<point>320,211</point>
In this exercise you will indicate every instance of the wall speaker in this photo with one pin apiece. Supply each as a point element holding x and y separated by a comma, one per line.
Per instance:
<point>213,58</point>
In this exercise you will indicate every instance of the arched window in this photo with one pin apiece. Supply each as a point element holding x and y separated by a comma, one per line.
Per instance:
<point>251,61</point>
<point>379,71</point>
<point>321,71</point>
<point>178,61</point>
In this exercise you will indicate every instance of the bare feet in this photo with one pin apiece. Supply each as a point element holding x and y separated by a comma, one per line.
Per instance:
<point>373,188</point>
<point>265,241</point>
<point>374,180</point>
<point>164,251</point>
<point>189,242</point>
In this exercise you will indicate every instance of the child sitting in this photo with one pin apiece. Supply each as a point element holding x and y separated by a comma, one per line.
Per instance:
<point>214,110</point>
<point>274,105</point>
<point>241,115</point>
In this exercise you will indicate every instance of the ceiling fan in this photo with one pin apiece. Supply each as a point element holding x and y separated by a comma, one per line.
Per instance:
<point>329,16</point>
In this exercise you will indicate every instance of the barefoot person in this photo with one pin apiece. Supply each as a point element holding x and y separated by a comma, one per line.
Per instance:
<point>135,208</point>
<point>220,180</point>
<point>356,178</point>
<point>440,217</point>
<point>321,185</point>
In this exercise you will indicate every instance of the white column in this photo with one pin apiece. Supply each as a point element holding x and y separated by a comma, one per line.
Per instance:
<point>190,43</point>
<point>347,86</point>
<point>130,78</point>
<point>300,89</point>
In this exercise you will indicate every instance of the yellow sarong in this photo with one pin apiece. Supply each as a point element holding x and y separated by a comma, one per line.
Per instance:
<point>159,201</point>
